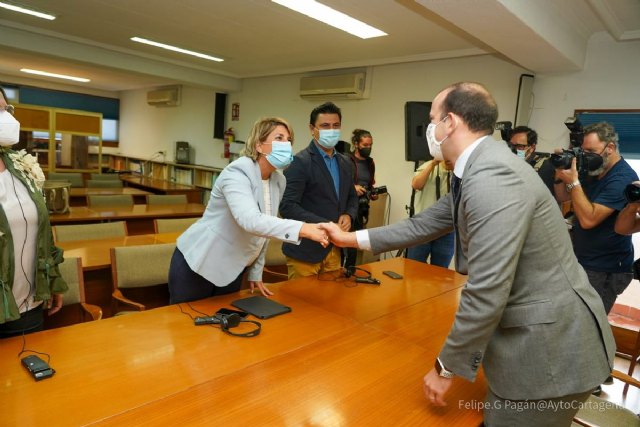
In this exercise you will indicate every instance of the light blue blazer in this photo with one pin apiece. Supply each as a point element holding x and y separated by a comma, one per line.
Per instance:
<point>232,234</point>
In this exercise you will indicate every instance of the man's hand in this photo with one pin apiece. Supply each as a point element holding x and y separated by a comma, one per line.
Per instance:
<point>344,222</point>
<point>338,236</point>
<point>435,387</point>
<point>568,176</point>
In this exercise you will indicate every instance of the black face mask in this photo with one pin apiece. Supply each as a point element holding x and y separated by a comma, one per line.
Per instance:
<point>365,152</point>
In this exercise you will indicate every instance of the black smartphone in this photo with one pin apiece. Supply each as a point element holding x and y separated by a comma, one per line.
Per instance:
<point>392,274</point>
<point>38,368</point>
<point>240,313</point>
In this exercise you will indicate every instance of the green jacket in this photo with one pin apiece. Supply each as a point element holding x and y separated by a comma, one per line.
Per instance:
<point>47,278</point>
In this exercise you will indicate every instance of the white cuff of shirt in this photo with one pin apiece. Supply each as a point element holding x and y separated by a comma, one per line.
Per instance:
<point>362,236</point>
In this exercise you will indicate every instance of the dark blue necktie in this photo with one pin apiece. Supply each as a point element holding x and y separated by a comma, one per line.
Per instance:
<point>455,187</point>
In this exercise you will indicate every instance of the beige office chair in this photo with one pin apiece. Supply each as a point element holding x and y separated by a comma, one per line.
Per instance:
<point>142,272</point>
<point>71,271</point>
<point>172,225</point>
<point>602,413</point>
<point>167,199</point>
<point>275,263</point>
<point>104,183</point>
<point>98,230</point>
<point>105,176</point>
<point>106,200</point>
<point>75,178</point>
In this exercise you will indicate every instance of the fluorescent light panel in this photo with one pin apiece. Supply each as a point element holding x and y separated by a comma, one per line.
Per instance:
<point>57,76</point>
<point>176,49</point>
<point>27,11</point>
<point>332,17</point>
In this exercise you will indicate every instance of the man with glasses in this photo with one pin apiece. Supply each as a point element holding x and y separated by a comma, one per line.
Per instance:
<point>596,201</point>
<point>523,143</point>
<point>319,189</point>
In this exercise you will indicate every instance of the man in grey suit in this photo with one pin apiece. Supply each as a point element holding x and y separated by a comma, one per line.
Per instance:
<point>527,312</point>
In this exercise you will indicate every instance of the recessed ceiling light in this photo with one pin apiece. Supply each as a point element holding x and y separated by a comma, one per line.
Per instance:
<point>27,11</point>
<point>57,76</point>
<point>176,49</point>
<point>332,17</point>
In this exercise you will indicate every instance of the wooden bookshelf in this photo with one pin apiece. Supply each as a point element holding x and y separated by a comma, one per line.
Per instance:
<point>199,176</point>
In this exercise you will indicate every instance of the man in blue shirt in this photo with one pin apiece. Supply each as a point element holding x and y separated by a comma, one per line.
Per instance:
<point>606,255</point>
<point>319,189</point>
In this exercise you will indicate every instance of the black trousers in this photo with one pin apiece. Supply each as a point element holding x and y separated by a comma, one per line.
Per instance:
<point>29,321</point>
<point>186,285</point>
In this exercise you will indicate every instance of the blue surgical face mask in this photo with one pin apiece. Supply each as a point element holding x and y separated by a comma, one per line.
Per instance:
<point>328,138</point>
<point>280,156</point>
<point>522,154</point>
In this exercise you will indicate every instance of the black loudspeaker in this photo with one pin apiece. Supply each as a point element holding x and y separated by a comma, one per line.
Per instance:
<point>416,119</point>
<point>218,120</point>
<point>183,152</point>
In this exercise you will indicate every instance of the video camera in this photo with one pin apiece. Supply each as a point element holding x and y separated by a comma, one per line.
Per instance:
<point>363,201</point>
<point>585,162</point>
<point>505,129</point>
<point>576,132</point>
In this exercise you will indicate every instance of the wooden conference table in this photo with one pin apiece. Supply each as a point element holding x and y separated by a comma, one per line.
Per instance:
<point>78,196</point>
<point>345,356</point>
<point>139,218</point>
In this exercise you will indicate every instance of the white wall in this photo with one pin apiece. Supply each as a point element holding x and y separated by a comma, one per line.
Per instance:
<point>145,129</point>
<point>610,80</point>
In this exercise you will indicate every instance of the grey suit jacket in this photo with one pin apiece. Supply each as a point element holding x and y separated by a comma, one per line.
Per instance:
<point>232,234</point>
<point>527,312</point>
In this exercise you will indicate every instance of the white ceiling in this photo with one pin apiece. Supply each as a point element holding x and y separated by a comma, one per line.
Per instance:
<point>91,38</point>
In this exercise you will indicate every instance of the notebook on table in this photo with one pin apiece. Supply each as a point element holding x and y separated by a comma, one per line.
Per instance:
<point>261,307</point>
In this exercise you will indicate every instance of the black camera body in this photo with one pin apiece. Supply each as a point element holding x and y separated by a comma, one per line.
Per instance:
<point>585,162</point>
<point>363,201</point>
<point>576,132</point>
<point>632,192</point>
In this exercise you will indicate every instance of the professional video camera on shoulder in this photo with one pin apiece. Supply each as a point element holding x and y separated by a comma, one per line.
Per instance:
<point>585,162</point>
<point>505,129</point>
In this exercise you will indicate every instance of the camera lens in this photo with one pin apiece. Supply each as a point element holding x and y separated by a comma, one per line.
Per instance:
<point>632,192</point>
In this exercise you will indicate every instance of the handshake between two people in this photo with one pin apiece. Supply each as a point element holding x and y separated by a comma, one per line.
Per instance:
<point>330,232</point>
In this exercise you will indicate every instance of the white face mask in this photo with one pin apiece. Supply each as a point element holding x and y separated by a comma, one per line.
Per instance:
<point>434,144</point>
<point>9,129</point>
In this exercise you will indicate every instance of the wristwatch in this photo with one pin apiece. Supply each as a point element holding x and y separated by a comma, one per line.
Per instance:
<point>442,371</point>
<point>573,185</point>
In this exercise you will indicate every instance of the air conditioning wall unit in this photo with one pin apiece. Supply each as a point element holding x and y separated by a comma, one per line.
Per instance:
<point>340,86</point>
<point>168,96</point>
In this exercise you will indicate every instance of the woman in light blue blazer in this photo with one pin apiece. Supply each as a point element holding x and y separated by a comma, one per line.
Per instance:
<point>232,235</point>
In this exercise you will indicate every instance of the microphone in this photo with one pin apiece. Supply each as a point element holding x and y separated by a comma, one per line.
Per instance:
<point>369,280</point>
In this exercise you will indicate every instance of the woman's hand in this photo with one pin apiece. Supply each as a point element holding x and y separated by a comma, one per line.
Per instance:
<point>54,304</point>
<point>261,287</point>
<point>316,233</point>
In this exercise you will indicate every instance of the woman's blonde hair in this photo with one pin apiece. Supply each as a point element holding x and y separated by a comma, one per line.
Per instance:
<point>259,133</point>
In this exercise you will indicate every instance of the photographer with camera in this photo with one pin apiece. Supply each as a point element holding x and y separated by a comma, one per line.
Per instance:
<point>432,180</point>
<point>594,177</point>
<point>523,141</point>
<point>364,170</point>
